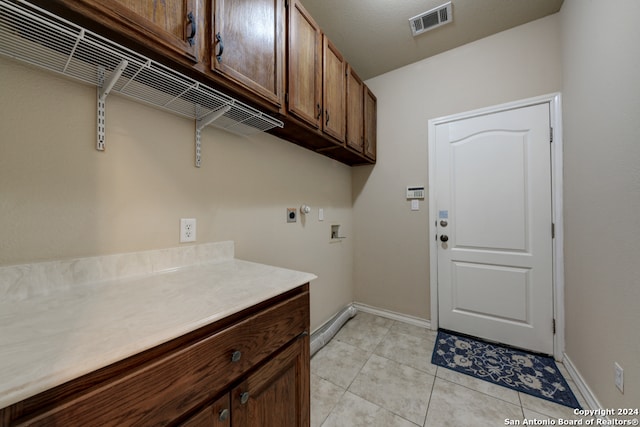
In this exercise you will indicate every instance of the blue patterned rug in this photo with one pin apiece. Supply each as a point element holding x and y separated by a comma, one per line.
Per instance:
<point>529,373</point>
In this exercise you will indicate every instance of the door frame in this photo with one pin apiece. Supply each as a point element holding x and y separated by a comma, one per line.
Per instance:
<point>555,119</point>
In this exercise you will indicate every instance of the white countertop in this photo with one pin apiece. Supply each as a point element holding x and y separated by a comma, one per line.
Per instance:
<point>46,340</point>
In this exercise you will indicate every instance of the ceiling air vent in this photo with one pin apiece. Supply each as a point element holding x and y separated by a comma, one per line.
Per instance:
<point>431,19</point>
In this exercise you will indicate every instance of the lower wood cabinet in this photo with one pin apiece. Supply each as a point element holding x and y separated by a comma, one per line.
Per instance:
<point>276,394</point>
<point>250,369</point>
<point>217,414</point>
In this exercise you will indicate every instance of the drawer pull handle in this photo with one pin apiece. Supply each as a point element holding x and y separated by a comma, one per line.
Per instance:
<point>191,21</point>
<point>224,415</point>
<point>221,45</point>
<point>244,397</point>
<point>236,355</point>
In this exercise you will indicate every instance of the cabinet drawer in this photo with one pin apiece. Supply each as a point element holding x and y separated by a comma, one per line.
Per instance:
<point>172,385</point>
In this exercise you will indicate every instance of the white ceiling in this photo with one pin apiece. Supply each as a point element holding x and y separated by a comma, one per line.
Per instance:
<point>374,35</point>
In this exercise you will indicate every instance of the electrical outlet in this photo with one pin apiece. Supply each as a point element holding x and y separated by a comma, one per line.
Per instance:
<point>292,214</point>
<point>619,379</point>
<point>187,230</point>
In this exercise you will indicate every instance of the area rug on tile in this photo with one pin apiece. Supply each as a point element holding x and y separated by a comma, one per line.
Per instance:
<point>515,369</point>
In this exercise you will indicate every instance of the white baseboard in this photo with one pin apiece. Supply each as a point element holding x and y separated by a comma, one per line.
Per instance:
<point>416,321</point>
<point>588,395</point>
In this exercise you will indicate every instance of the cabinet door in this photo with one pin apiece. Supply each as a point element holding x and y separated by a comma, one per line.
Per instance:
<point>355,111</point>
<point>218,414</point>
<point>305,66</point>
<point>248,45</point>
<point>334,91</point>
<point>277,394</point>
<point>370,124</point>
<point>172,23</point>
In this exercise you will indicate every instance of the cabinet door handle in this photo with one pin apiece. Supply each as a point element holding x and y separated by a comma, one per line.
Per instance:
<point>319,112</point>
<point>223,415</point>
<point>219,54</point>
<point>191,21</point>
<point>326,113</point>
<point>236,355</point>
<point>244,397</point>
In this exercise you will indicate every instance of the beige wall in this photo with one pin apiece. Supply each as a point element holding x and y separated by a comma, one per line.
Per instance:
<point>601,86</point>
<point>60,198</point>
<point>391,249</point>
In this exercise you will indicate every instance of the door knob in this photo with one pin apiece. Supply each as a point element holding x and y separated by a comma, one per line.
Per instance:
<point>444,238</point>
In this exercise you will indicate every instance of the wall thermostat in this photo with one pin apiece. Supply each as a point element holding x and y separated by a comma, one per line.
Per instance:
<point>415,192</point>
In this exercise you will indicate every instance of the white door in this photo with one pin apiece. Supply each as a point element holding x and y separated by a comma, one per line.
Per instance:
<point>494,237</point>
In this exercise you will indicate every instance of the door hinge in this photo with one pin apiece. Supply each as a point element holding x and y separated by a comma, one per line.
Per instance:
<point>554,326</point>
<point>550,134</point>
<point>553,230</point>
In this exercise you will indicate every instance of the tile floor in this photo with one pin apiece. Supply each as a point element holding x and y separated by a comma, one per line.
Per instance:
<point>378,372</point>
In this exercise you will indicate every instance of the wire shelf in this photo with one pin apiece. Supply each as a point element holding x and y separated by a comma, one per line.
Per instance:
<point>34,36</point>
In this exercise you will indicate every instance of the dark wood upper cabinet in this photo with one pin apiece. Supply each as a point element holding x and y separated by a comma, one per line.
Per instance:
<point>316,77</point>
<point>174,21</point>
<point>247,43</point>
<point>304,66</point>
<point>370,124</point>
<point>170,25</point>
<point>270,54</point>
<point>325,96</point>
<point>333,91</point>
<point>355,111</point>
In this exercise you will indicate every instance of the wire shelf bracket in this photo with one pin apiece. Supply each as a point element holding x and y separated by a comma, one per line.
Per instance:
<point>34,36</point>
<point>103,89</point>
<point>202,123</point>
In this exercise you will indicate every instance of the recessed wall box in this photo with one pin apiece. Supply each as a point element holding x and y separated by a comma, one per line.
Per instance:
<point>415,192</point>
<point>336,232</point>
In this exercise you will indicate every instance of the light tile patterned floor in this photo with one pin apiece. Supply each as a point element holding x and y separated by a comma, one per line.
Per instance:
<point>377,372</point>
